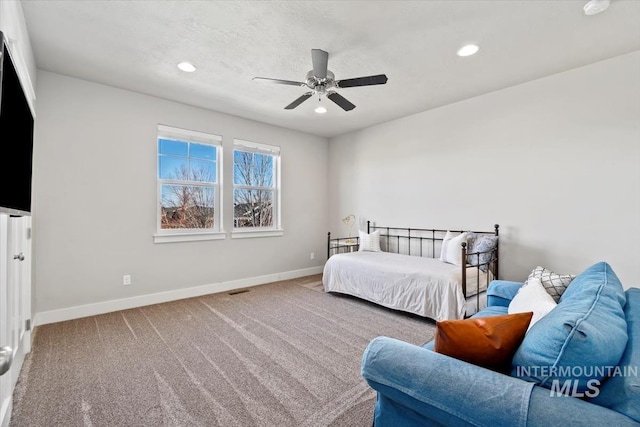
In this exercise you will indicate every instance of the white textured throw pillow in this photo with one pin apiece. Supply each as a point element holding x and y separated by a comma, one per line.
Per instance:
<point>555,284</point>
<point>532,296</point>
<point>452,248</point>
<point>370,242</point>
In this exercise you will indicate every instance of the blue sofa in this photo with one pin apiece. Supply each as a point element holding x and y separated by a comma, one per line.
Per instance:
<point>596,322</point>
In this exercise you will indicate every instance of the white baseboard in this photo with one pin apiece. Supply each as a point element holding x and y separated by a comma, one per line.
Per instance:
<point>79,311</point>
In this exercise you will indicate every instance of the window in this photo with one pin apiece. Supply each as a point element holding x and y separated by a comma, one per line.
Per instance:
<point>189,188</point>
<point>256,189</point>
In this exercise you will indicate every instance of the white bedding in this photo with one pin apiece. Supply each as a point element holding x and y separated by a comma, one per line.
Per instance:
<point>424,286</point>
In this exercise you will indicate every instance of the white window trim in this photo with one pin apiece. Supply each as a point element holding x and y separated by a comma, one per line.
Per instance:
<point>171,132</point>
<point>246,234</point>
<point>256,147</point>
<point>189,235</point>
<point>276,230</point>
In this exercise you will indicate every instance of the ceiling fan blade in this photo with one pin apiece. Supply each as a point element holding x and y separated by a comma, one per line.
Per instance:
<point>278,81</point>
<point>298,101</point>
<point>341,101</point>
<point>380,79</point>
<point>319,58</point>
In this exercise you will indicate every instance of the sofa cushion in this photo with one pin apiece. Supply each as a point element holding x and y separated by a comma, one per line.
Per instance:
<point>501,292</point>
<point>484,341</point>
<point>621,392</point>
<point>585,333</point>
<point>496,310</point>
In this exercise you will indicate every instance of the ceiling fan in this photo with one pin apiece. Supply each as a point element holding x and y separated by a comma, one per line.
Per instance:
<point>322,81</point>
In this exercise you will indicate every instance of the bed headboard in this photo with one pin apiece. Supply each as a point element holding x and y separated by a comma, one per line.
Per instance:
<point>426,242</point>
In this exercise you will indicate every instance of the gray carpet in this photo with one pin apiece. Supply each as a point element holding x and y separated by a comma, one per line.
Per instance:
<point>282,354</point>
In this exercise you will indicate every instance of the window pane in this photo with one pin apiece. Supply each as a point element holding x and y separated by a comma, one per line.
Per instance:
<point>174,148</point>
<point>172,168</point>
<point>263,170</point>
<point>265,174</point>
<point>240,175</point>
<point>202,151</point>
<point>240,156</point>
<point>203,171</point>
<point>243,168</point>
<point>252,169</point>
<point>187,207</point>
<point>264,159</point>
<point>253,208</point>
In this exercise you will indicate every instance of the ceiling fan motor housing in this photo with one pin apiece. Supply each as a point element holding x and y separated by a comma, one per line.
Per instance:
<point>320,86</point>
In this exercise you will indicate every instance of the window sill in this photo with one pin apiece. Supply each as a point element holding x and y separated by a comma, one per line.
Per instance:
<point>188,237</point>
<point>242,234</point>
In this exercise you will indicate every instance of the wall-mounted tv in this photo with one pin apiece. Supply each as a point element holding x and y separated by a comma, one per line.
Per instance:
<point>16,138</point>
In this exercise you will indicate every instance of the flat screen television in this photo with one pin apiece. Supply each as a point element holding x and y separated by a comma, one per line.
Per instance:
<point>16,138</point>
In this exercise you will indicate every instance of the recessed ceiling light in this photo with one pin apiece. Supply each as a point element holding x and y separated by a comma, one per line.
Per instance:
<point>320,110</point>
<point>595,6</point>
<point>187,67</point>
<point>468,50</point>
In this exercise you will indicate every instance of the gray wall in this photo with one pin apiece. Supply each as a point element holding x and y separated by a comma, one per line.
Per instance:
<point>94,202</point>
<point>555,162</point>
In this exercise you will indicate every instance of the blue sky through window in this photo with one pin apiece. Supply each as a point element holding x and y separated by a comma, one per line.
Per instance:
<point>186,161</point>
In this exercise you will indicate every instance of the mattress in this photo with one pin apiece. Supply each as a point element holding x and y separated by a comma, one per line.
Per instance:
<point>427,287</point>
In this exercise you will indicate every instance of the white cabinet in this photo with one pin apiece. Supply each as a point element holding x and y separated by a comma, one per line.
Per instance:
<point>15,231</point>
<point>15,304</point>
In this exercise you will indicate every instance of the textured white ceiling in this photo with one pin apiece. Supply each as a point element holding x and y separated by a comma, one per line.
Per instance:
<point>136,45</point>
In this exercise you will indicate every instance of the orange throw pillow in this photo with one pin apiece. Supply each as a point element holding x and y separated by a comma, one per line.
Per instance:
<point>490,342</point>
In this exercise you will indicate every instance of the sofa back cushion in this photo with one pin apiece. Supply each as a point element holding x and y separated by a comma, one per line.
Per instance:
<point>575,343</point>
<point>621,392</point>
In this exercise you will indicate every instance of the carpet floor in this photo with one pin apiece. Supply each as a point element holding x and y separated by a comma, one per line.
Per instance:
<point>281,354</point>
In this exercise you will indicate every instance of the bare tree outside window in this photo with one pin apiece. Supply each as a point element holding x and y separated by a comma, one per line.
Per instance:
<point>254,190</point>
<point>188,189</point>
<point>187,206</point>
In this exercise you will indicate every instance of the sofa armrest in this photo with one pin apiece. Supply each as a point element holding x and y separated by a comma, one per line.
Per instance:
<point>501,292</point>
<point>546,409</point>
<point>417,386</point>
<point>442,389</point>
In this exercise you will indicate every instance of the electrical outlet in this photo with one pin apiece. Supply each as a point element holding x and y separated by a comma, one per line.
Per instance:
<point>126,280</point>
<point>312,255</point>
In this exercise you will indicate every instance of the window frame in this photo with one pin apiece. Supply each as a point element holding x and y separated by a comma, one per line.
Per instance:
<point>190,234</point>
<point>275,153</point>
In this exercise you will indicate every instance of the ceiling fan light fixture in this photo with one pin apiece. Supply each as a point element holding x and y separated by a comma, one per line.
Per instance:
<point>320,109</point>
<point>187,67</point>
<point>468,50</point>
<point>595,6</point>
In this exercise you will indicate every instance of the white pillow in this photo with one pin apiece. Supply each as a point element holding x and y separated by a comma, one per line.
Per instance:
<point>452,248</point>
<point>532,296</point>
<point>369,242</point>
